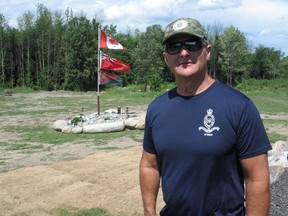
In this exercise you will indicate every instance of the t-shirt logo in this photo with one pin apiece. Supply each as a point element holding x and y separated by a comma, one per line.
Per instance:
<point>209,121</point>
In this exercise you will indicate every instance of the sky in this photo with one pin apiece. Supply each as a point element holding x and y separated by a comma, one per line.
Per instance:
<point>262,21</point>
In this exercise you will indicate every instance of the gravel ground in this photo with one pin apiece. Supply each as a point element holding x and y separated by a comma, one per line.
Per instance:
<point>279,198</point>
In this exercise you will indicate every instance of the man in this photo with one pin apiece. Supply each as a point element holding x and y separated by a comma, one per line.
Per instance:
<point>203,139</point>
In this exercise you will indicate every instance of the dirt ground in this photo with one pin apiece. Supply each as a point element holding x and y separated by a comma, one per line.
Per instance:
<point>105,179</point>
<point>36,183</point>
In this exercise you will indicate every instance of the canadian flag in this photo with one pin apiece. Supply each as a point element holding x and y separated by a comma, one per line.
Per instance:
<point>108,42</point>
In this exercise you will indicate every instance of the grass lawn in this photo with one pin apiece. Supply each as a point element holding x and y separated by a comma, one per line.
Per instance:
<point>270,97</point>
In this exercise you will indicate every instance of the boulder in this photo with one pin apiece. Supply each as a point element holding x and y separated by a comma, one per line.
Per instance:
<point>77,130</point>
<point>59,125</point>
<point>104,127</point>
<point>110,111</point>
<point>137,123</point>
<point>67,129</point>
<point>279,146</point>
<point>278,156</point>
<point>278,160</point>
<point>140,125</point>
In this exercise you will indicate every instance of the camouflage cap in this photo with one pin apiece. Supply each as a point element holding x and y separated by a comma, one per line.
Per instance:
<point>186,26</point>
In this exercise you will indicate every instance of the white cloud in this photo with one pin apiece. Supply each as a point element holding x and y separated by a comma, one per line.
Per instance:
<point>141,8</point>
<point>160,4</point>
<point>152,4</point>
<point>265,32</point>
<point>218,4</point>
<point>141,14</point>
<point>117,11</point>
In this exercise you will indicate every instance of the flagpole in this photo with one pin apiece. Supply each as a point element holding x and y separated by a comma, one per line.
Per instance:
<point>99,71</point>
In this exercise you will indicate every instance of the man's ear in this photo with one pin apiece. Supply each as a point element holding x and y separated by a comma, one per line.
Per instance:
<point>165,58</point>
<point>208,52</point>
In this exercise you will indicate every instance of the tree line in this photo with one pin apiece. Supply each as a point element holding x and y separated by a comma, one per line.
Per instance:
<point>52,50</point>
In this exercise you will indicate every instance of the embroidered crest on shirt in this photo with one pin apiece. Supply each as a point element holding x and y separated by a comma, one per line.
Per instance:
<point>209,121</point>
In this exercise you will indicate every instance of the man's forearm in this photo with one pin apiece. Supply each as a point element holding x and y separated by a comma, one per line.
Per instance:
<point>256,173</point>
<point>149,183</point>
<point>257,198</point>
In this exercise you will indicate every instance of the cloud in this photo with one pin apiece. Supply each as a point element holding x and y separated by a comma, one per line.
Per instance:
<point>141,8</point>
<point>217,4</point>
<point>140,14</point>
<point>123,10</point>
<point>160,4</point>
<point>265,32</point>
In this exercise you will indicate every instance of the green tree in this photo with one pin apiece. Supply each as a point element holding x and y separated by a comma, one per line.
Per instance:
<point>147,57</point>
<point>43,31</point>
<point>81,55</point>
<point>50,50</point>
<point>265,62</point>
<point>57,51</point>
<point>217,55</point>
<point>3,46</point>
<point>235,53</point>
<point>283,67</point>
<point>11,65</point>
<point>25,41</point>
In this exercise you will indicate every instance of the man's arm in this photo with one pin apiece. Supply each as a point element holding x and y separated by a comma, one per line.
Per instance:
<point>149,182</point>
<point>256,173</point>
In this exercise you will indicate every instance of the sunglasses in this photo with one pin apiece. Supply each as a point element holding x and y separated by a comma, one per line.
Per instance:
<point>195,45</point>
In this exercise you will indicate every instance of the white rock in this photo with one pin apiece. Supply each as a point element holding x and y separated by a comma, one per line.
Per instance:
<point>59,125</point>
<point>278,159</point>
<point>77,130</point>
<point>66,129</point>
<point>131,123</point>
<point>110,111</point>
<point>140,125</point>
<point>135,123</point>
<point>104,127</point>
<point>279,146</point>
<point>278,156</point>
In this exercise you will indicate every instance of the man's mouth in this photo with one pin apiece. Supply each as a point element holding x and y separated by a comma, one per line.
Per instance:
<point>186,63</point>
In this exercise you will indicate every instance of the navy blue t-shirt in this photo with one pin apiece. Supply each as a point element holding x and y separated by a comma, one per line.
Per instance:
<point>198,141</point>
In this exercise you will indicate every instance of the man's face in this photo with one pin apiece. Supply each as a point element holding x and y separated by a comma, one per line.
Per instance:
<point>186,63</point>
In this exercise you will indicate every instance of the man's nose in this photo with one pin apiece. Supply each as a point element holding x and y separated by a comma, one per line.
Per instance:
<point>184,51</point>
